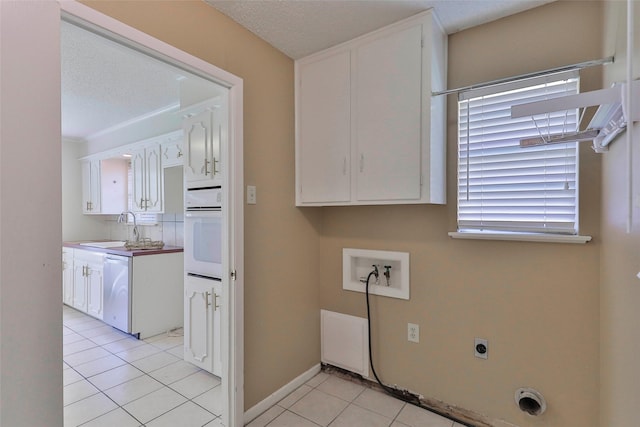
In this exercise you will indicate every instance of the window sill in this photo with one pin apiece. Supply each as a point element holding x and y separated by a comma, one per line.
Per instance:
<point>520,237</point>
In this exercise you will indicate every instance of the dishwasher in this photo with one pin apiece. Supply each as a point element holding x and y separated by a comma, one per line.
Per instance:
<point>117,292</point>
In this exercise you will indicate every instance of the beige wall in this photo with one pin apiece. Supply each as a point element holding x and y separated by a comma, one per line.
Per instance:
<point>281,243</point>
<point>620,288</point>
<point>536,303</point>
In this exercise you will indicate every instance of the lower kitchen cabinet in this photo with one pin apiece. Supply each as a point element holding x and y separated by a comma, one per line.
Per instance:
<point>67,276</point>
<point>88,283</point>
<point>202,302</point>
<point>155,289</point>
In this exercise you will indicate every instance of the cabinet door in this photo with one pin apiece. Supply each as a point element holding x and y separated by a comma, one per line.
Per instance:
<point>138,195</point>
<point>91,186</point>
<point>217,124</point>
<point>154,174</point>
<point>197,146</point>
<point>198,322</point>
<point>324,117</point>
<point>171,154</point>
<point>79,286</point>
<point>95,289</point>
<point>67,276</point>
<point>388,75</point>
<point>217,306</point>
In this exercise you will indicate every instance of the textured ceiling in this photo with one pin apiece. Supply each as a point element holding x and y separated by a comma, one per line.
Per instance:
<point>301,27</point>
<point>105,84</point>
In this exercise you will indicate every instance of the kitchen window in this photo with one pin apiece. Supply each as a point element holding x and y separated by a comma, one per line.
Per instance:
<point>509,191</point>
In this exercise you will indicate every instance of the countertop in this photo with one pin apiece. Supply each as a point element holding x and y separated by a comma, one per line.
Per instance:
<point>121,250</point>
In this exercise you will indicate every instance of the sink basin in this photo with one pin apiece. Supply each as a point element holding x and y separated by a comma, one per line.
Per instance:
<point>110,244</point>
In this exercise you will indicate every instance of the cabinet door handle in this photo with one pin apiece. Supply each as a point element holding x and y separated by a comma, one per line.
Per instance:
<point>215,302</point>
<point>206,167</point>
<point>206,298</point>
<point>215,170</point>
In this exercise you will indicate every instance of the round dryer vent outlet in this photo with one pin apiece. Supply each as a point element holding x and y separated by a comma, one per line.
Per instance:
<point>530,401</point>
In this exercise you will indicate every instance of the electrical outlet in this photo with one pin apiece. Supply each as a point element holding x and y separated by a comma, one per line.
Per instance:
<point>481,348</point>
<point>413,332</point>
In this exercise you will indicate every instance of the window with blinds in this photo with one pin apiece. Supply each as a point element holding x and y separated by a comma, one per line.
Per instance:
<point>503,187</point>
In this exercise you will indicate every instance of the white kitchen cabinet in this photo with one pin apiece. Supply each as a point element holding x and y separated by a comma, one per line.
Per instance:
<point>157,289</point>
<point>202,323</point>
<point>91,186</point>
<point>368,130</point>
<point>204,132</point>
<point>104,186</point>
<point>171,152</point>
<point>88,283</point>
<point>67,276</point>
<point>147,186</point>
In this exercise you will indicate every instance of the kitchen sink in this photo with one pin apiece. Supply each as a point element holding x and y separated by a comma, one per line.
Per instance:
<point>110,244</point>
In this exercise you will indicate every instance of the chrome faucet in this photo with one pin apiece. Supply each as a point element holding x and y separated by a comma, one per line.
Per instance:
<point>124,216</point>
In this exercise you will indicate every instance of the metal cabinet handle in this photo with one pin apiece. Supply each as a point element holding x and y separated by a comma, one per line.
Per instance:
<point>179,154</point>
<point>215,170</point>
<point>206,167</point>
<point>206,298</point>
<point>215,302</point>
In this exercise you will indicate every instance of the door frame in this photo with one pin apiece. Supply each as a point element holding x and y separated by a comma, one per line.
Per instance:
<point>232,295</point>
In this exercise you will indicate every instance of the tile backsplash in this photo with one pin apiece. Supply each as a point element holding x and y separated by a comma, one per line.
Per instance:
<point>169,229</point>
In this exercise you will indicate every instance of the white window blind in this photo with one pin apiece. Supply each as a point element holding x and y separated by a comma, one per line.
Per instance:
<point>505,188</point>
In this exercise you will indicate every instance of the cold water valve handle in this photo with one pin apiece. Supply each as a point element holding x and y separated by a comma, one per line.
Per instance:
<point>387,274</point>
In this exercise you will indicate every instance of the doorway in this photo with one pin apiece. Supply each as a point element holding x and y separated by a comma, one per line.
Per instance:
<point>232,184</point>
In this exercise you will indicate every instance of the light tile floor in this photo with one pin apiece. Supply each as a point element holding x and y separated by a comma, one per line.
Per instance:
<point>112,379</point>
<point>327,400</point>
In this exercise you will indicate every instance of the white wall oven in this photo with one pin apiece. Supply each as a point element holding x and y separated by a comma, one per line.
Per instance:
<point>203,232</point>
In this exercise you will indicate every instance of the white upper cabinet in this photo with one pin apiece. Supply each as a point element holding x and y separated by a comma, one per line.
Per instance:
<point>147,186</point>
<point>91,186</point>
<point>171,150</point>
<point>204,132</point>
<point>104,186</point>
<point>367,129</point>
<point>324,157</point>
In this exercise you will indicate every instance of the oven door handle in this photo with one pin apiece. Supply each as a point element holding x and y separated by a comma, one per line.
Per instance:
<point>203,214</point>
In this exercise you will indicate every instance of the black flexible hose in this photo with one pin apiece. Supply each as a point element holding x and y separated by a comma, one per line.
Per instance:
<point>399,394</point>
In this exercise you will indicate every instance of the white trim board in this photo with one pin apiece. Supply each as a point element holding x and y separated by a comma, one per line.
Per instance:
<point>233,322</point>
<point>259,408</point>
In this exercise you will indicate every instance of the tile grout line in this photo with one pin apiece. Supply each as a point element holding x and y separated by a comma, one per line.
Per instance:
<point>144,373</point>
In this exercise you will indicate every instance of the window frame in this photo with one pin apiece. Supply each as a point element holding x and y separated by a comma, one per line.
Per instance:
<point>538,234</point>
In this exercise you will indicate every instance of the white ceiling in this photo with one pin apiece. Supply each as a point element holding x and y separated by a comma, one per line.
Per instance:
<point>301,27</point>
<point>106,85</point>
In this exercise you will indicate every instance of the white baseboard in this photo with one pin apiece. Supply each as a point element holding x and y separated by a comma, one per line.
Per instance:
<point>256,410</point>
